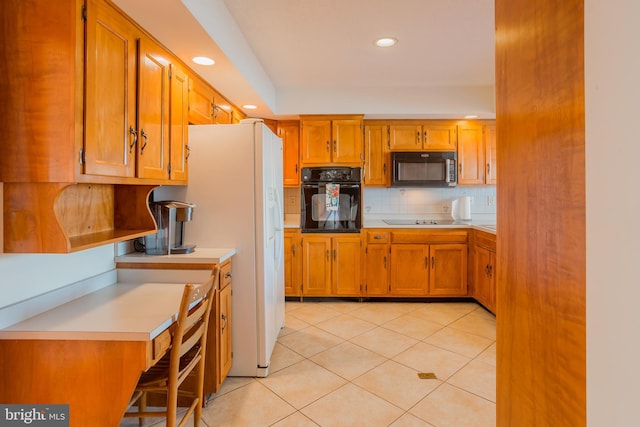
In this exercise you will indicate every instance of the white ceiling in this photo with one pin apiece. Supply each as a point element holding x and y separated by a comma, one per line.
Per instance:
<point>292,57</point>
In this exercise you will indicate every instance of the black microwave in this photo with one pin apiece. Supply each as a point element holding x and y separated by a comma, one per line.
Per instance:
<point>424,169</point>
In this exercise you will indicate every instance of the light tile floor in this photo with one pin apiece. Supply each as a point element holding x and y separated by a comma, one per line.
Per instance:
<point>342,363</point>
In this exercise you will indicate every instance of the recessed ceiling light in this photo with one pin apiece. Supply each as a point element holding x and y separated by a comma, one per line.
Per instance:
<point>471,116</point>
<point>203,60</point>
<point>249,107</point>
<point>386,41</point>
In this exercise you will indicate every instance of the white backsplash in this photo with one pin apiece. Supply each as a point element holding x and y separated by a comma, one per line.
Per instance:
<point>421,202</point>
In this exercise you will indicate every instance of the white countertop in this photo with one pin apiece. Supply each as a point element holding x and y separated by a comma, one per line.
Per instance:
<point>199,256</point>
<point>120,312</point>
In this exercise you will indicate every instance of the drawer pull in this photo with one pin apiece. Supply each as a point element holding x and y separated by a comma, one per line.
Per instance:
<point>228,275</point>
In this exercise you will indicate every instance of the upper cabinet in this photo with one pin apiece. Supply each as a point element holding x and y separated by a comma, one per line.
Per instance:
<point>377,166</point>
<point>436,135</point>
<point>331,140</point>
<point>289,131</point>
<point>207,107</point>
<point>476,153</point>
<point>108,124</point>
<point>94,116</point>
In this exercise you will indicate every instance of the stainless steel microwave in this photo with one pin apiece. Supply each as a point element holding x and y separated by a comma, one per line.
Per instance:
<point>424,169</point>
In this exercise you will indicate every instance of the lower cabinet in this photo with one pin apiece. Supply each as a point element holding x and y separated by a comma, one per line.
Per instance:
<point>292,263</point>
<point>222,326</point>
<point>380,263</point>
<point>483,269</point>
<point>331,265</point>
<point>406,263</point>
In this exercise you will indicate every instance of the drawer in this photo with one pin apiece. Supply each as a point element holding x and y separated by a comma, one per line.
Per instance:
<point>485,240</point>
<point>225,274</point>
<point>429,237</point>
<point>377,236</point>
<point>161,344</point>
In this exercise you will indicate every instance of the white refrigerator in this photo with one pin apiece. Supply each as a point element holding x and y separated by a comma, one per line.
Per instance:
<point>235,181</point>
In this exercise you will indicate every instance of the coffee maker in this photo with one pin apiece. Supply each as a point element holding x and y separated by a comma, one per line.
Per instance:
<point>170,217</point>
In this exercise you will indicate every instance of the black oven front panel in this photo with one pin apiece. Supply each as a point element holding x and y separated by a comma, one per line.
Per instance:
<point>331,200</point>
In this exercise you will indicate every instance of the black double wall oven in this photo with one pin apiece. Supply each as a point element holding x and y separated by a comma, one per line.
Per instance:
<point>331,200</point>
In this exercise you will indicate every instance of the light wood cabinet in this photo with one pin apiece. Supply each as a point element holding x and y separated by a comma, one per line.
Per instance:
<point>417,136</point>
<point>289,131</point>
<point>476,154</point>
<point>153,110</point>
<point>223,325</point>
<point>377,160</point>
<point>331,140</point>
<point>111,132</point>
<point>200,102</point>
<point>377,263</point>
<point>428,263</point>
<point>484,269</point>
<point>88,110</point>
<point>292,263</point>
<point>489,133</point>
<point>179,124</point>
<point>331,265</point>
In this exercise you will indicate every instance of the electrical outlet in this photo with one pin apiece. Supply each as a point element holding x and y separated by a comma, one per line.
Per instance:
<point>446,209</point>
<point>491,200</point>
<point>292,200</point>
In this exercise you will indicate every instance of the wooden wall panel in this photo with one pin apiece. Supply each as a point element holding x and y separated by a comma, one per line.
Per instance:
<point>541,252</point>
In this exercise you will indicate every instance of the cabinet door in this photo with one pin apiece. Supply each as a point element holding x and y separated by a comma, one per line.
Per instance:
<point>409,269</point>
<point>221,110</point>
<point>315,141</point>
<point>346,266</point>
<point>376,270</point>
<point>292,259</point>
<point>200,102</point>
<point>226,349</point>
<point>405,137</point>
<point>179,124</point>
<point>439,137</point>
<point>153,111</point>
<point>347,141</point>
<point>484,282</point>
<point>376,155</point>
<point>470,155</point>
<point>290,134</point>
<point>110,105</point>
<point>316,265</point>
<point>489,133</point>
<point>448,265</point>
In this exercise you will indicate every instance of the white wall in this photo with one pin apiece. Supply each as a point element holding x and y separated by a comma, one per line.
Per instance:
<point>25,276</point>
<point>612,70</point>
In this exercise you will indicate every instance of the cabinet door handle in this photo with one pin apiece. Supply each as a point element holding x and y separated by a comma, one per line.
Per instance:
<point>418,138</point>
<point>146,140</point>
<point>384,169</point>
<point>488,169</point>
<point>460,169</point>
<point>133,132</point>
<point>293,248</point>
<point>328,255</point>
<point>296,168</point>
<point>426,262</point>
<point>328,146</point>
<point>433,262</point>
<point>224,324</point>
<point>385,262</point>
<point>426,134</point>
<point>228,274</point>
<point>335,254</point>
<point>188,152</point>
<point>335,146</point>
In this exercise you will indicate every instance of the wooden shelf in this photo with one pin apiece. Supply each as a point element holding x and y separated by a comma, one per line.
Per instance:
<point>69,217</point>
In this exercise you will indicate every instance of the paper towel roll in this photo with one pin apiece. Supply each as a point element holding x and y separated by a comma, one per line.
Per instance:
<point>464,208</point>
